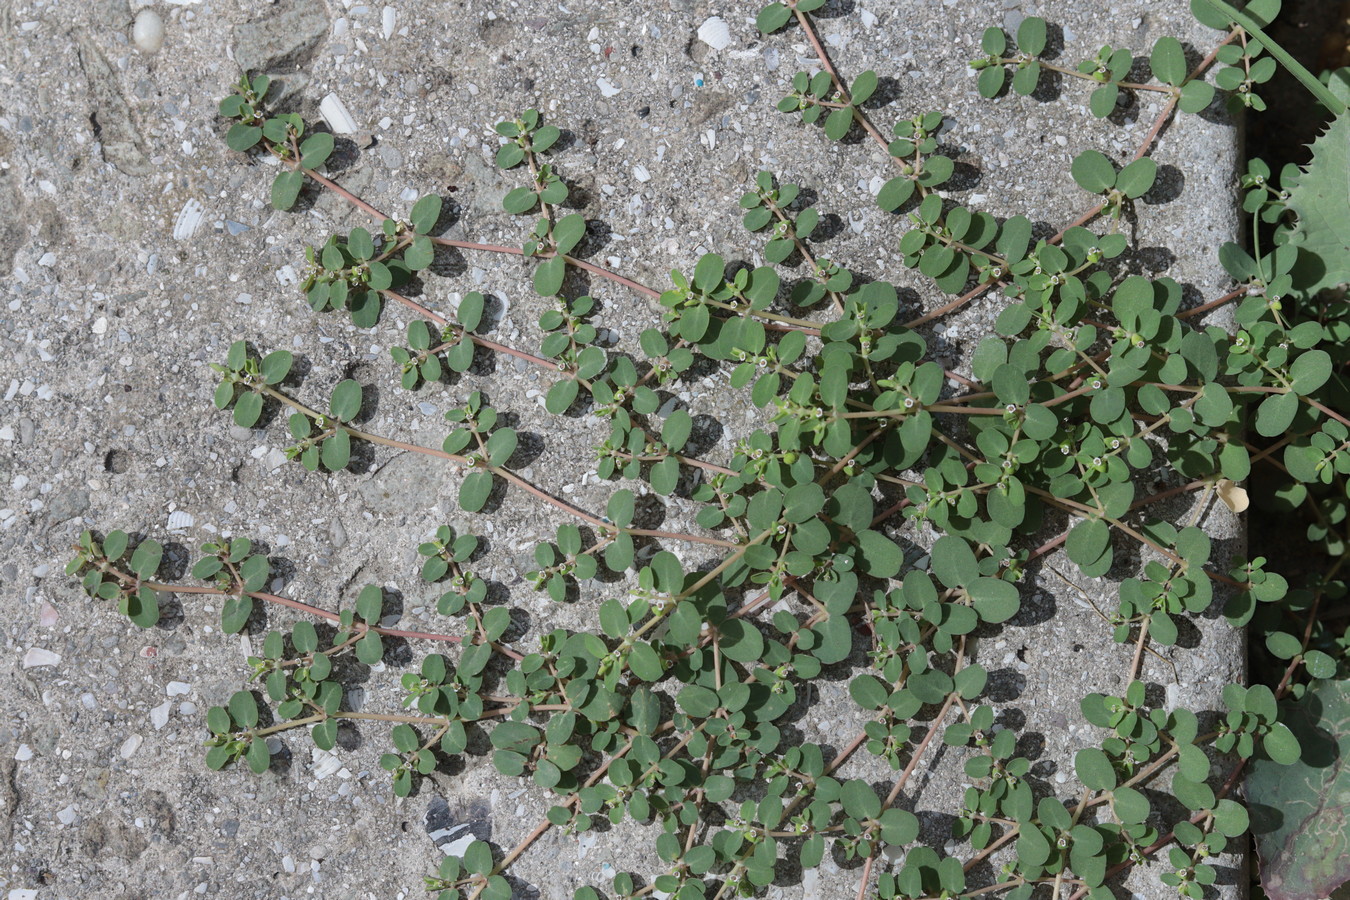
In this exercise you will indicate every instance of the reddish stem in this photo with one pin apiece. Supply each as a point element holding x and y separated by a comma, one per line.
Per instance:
<point>298,605</point>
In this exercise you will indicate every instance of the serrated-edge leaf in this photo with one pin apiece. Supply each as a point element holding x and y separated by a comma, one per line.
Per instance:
<point>1318,200</point>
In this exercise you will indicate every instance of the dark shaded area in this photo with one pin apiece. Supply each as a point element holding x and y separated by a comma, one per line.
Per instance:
<point>1316,33</point>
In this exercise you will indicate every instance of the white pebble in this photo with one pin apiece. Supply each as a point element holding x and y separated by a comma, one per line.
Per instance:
<point>130,746</point>
<point>389,20</point>
<point>607,88</point>
<point>67,815</point>
<point>175,688</point>
<point>24,753</point>
<point>148,32</point>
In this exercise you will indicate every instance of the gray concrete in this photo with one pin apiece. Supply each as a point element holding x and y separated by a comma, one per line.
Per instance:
<point>110,321</point>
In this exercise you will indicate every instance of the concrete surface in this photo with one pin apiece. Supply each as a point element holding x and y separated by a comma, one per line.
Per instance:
<point>114,306</point>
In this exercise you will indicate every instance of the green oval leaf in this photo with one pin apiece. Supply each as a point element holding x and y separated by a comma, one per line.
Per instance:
<point>1031,35</point>
<point>420,253</point>
<point>425,213</point>
<point>243,137</point>
<point>1135,180</point>
<point>548,276</point>
<point>1168,61</point>
<point>336,451</point>
<point>838,123</point>
<point>953,562</point>
<point>1087,541</point>
<point>1275,414</point>
<point>501,445</point>
<point>247,409</point>
<point>561,396</point>
<point>234,613</point>
<point>1093,172</point>
<point>568,232</point>
<point>474,492</point>
<point>1310,371</point>
<point>276,366</point>
<point>316,149</point>
<point>286,189</point>
<point>1095,770</point>
<point>346,400</point>
<point>772,17</point>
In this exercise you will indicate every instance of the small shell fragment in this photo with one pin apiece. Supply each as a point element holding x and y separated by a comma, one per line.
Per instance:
<point>715,33</point>
<point>189,218</point>
<point>389,21</point>
<point>334,112</point>
<point>159,716</point>
<point>326,763</point>
<point>148,31</point>
<point>37,656</point>
<point>1233,497</point>
<point>179,520</point>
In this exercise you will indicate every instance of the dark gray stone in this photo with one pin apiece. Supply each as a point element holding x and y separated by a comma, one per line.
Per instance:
<point>67,504</point>
<point>283,39</point>
<point>111,113</point>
